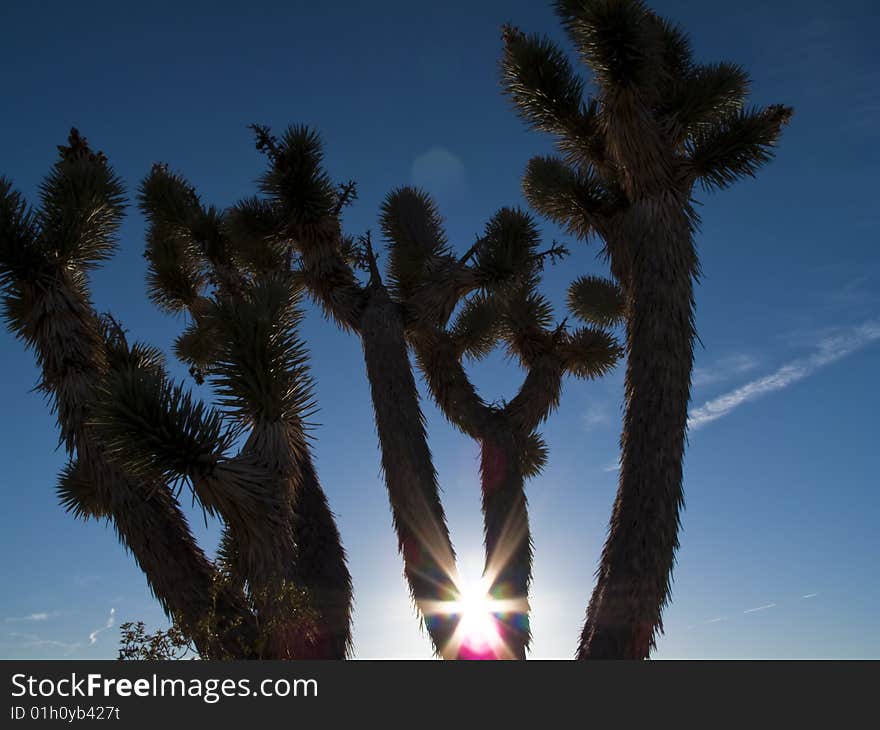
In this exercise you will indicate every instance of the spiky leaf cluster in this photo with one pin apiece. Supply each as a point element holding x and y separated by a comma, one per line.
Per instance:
<point>295,178</point>
<point>620,41</point>
<point>20,257</point>
<point>597,301</point>
<point>77,493</point>
<point>413,226</point>
<point>82,203</point>
<point>503,305</point>
<point>573,197</point>
<point>156,428</point>
<point>638,61</point>
<point>507,250</point>
<point>176,270</point>
<point>255,230</point>
<point>475,329</point>
<point>260,364</point>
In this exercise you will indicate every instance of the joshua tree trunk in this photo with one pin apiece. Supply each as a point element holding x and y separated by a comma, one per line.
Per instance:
<point>508,542</point>
<point>422,535</point>
<point>321,565</point>
<point>624,614</point>
<point>423,538</point>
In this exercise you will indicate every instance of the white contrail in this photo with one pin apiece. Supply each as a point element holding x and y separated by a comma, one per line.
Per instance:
<point>93,637</point>
<point>719,619</point>
<point>829,350</point>
<point>760,608</point>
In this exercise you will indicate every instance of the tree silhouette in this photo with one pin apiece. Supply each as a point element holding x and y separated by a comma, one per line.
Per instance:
<point>493,292</point>
<point>629,159</point>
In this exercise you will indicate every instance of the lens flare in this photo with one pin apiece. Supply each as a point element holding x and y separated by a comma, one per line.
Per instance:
<point>478,626</point>
<point>482,617</point>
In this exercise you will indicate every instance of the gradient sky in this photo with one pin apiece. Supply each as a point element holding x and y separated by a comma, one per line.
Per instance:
<point>779,545</point>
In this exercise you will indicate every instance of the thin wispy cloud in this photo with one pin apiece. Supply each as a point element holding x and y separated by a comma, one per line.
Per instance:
<point>724,369</point>
<point>93,637</point>
<point>760,608</point>
<point>33,641</point>
<point>38,616</point>
<point>829,350</point>
<point>29,617</point>
<point>595,415</point>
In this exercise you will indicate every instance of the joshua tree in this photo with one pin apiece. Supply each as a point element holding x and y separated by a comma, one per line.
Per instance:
<point>281,588</point>
<point>659,125</point>
<point>495,283</point>
<point>296,226</point>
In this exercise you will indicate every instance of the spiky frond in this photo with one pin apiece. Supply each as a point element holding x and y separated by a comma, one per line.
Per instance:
<point>78,494</point>
<point>175,276</point>
<point>590,352</point>
<point>476,328</point>
<point>208,231</point>
<point>253,227</point>
<point>531,311</point>
<point>229,560</point>
<point>82,203</point>
<point>20,257</point>
<point>176,271</point>
<point>676,53</point>
<point>295,179</point>
<point>708,94</point>
<point>547,94</point>
<point>737,146</point>
<point>616,39</point>
<point>524,323</point>
<point>168,199</point>
<point>574,199</point>
<point>596,300</point>
<point>260,369</point>
<point>507,250</point>
<point>120,355</point>
<point>533,455</point>
<point>413,228</point>
<point>537,76</point>
<point>157,429</point>
<point>180,226</point>
<point>200,343</point>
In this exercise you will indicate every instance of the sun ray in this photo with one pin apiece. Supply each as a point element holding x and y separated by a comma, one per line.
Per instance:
<point>479,631</point>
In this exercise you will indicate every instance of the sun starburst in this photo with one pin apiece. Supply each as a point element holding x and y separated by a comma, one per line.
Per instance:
<point>479,633</point>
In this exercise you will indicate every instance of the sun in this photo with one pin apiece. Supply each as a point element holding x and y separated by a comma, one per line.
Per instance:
<point>478,625</point>
<point>478,633</point>
<point>481,614</point>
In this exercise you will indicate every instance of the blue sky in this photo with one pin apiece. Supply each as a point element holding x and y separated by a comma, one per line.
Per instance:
<point>779,545</point>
